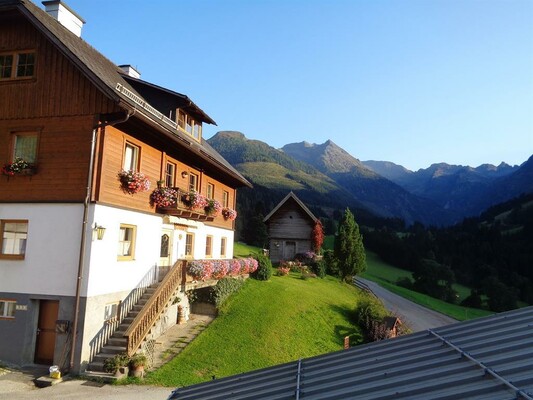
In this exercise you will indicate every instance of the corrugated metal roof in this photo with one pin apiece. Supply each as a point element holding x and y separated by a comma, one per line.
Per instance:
<point>487,358</point>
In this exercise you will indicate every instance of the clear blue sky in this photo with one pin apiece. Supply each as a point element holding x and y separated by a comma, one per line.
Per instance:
<point>414,82</point>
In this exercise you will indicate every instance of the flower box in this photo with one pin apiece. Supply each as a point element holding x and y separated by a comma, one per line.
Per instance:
<point>133,182</point>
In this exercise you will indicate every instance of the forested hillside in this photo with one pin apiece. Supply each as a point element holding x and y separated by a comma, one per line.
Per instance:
<point>492,253</point>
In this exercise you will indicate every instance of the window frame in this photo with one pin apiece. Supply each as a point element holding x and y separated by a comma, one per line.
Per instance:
<point>15,65</point>
<point>189,247</point>
<point>223,245</point>
<point>15,135</point>
<point>189,125</point>
<point>225,199</point>
<point>210,194</point>
<point>170,178</point>
<point>209,246</point>
<point>4,315</point>
<point>135,161</point>
<point>193,177</point>
<point>15,256</point>
<point>131,255</point>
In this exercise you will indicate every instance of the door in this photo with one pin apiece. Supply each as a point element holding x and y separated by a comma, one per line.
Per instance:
<point>290,251</point>
<point>46,332</point>
<point>165,253</point>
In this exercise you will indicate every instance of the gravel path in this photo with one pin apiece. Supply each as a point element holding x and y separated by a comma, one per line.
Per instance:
<point>417,317</point>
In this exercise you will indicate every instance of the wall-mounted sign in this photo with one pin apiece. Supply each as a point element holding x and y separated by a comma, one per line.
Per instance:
<point>21,307</point>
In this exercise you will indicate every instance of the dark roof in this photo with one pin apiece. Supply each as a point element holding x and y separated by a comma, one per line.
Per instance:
<point>292,196</point>
<point>165,99</point>
<point>109,79</point>
<point>487,358</point>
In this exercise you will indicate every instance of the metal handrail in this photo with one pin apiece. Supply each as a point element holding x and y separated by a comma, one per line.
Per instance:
<point>153,308</point>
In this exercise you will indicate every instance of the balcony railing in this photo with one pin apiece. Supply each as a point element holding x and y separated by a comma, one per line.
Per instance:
<point>183,208</point>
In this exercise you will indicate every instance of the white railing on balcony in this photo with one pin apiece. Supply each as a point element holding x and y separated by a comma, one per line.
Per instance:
<point>137,100</point>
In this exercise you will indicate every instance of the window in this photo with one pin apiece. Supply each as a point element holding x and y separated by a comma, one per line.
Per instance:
<point>7,308</point>
<point>25,64</point>
<point>6,65</point>
<point>193,182</point>
<point>189,125</point>
<point>210,191</point>
<point>111,312</point>
<point>223,242</point>
<point>197,131</point>
<point>131,157</point>
<point>17,65</point>
<point>126,242</point>
<point>170,175</point>
<point>189,244</point>
<point>225,199</point>
<point>209,246</point>
<point>13,239</point>
<point>25,146</point>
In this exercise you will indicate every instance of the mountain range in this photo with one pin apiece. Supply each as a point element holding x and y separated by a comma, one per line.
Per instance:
<point>327,178</point>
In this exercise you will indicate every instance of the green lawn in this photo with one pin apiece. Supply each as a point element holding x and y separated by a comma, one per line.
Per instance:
<point>243,250</point>
<point>265,324</point>
<point>387,275</point>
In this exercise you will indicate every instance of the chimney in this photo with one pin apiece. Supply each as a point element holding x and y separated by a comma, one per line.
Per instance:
<point>130,71</point>
<point>66,17</point>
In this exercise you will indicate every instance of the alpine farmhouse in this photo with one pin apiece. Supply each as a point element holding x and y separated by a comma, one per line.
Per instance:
<point>107,191</point>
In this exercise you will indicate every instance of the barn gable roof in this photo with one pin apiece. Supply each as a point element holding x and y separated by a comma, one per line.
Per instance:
<point>292,196</point>
<point>486,358</point>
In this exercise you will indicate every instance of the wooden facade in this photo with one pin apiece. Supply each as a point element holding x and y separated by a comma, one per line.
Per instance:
<point>290,225</point>
<point>62,105</point>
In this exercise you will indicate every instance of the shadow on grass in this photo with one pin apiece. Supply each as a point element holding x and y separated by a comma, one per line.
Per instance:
<point>351,330</point>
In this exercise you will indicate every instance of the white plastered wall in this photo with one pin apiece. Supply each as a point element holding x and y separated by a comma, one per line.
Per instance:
<point>50,264</point>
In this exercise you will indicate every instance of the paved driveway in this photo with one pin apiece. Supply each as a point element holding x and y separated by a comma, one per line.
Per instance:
<point>18,385</point>
<point>417,317</point>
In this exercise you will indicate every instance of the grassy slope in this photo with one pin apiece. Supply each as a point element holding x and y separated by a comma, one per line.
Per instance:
<point>304,318</point>
<point>244,250</point>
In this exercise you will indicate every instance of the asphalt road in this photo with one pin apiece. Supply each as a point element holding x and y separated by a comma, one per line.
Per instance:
<point>417,317</point>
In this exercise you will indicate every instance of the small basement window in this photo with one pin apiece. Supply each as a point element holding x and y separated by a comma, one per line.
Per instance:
<point>7,309</point>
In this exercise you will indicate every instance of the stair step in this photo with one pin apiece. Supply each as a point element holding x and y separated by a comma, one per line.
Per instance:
<point>100,376</point>
<point>117,341</point>
<point>111,350</point>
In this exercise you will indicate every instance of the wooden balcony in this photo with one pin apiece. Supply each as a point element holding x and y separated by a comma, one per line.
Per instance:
<point>182,209</point>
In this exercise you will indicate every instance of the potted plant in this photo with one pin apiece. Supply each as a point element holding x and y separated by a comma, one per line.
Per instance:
<point>133,182</point>
<point>118,365</point>
<point>213,207</point>
<point>229,213</point>
<point>194,200</point>
<point>137,363</point>
<point>163,197</point>
<point>19,166</point>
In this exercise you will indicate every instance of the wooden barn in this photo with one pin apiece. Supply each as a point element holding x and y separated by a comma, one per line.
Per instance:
<point>290,225</point>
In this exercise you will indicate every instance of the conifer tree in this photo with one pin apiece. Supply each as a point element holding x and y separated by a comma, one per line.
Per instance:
<point>349,250</point>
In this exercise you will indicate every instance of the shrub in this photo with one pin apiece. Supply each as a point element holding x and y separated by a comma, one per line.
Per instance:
<point>264,268</point>
<point>112,364</point>
<point>224,288</point>
<point>282,271</point>
<point>369,314</point>
<point>405,282</point>
<point>319,268</point>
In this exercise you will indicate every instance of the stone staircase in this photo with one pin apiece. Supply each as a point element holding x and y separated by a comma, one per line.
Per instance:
<point>116,344</point>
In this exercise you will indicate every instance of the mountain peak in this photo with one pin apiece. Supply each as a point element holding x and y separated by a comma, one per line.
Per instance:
<point>230,135</point>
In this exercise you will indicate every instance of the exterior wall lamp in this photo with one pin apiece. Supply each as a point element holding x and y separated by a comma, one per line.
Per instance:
<point>99,231</point>
<point>184,174</point>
